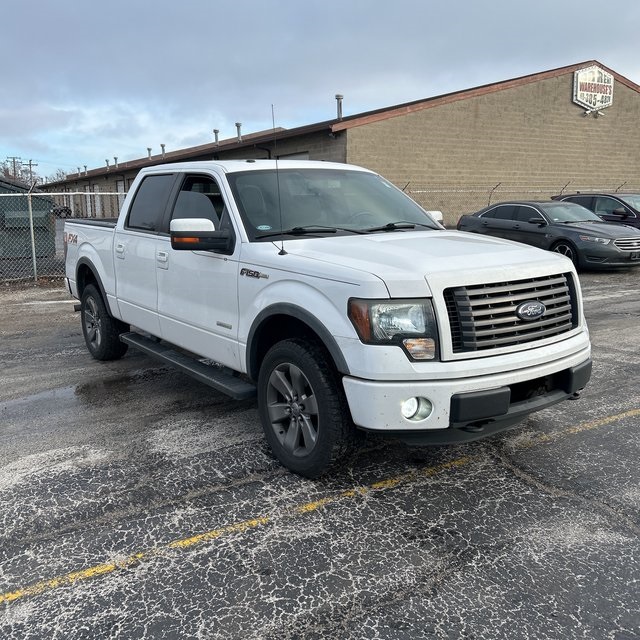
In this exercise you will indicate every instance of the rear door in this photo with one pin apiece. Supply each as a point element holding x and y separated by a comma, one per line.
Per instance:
<point>135,248</point>
<point>498,222</point>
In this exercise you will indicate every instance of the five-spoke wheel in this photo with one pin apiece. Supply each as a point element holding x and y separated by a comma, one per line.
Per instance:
<point>302,407</point>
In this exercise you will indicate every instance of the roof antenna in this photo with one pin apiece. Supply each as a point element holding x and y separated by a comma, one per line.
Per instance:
<point>282,252</point>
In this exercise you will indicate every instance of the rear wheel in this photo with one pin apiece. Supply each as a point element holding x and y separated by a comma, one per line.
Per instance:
<point>302,407</point>
<point>568,250</point>
<point>101,331</point>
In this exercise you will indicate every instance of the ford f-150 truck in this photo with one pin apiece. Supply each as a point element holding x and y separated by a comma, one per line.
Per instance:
<point>332,296</point>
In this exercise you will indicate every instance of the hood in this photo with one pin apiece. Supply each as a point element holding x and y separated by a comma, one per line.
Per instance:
<point>408,261</point>
<point>612,230</point>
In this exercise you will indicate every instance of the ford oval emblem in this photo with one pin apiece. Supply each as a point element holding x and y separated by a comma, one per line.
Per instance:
<point>530,310</point>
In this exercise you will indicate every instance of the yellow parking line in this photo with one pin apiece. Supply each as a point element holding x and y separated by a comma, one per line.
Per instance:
<point>309,507</point>
<point>580,428</point>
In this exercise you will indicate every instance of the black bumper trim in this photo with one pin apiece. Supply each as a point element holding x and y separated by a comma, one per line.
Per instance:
<point>480,414</point>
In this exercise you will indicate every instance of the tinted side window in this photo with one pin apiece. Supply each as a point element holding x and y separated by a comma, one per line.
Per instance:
<point>199,197</point>
<point>148,207</point>
<point>585,201</point>
<point>502,212</point>
<point>524,214</point>
<point>605,204</point>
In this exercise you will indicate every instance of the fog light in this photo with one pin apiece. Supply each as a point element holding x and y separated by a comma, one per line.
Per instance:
<point>416,409</point>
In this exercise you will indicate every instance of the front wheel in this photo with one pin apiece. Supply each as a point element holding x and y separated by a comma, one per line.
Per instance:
<point>302,407</point>
<point>101,331</point>
<point>568,250</point>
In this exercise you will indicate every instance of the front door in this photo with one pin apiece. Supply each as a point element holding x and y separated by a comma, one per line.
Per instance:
<point>198,290</point>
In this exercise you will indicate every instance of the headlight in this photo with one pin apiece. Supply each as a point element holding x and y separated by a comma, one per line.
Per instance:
<point>407,323</point>
<point>595,239</point>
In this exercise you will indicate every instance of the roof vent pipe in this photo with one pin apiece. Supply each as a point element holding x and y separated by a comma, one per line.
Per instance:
<point>339,105</point>
<point>107,161</point>
<point>215,133</point>
<point>149,152</point>
<point>238,127</point>
<point>115,160</point>
<point>162,147</point>
<point>85,169</point>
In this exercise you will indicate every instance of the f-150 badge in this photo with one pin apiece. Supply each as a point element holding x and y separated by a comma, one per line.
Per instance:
<point>253,274</point>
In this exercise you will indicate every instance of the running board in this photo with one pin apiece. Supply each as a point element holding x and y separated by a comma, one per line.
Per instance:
<point>210,375</point>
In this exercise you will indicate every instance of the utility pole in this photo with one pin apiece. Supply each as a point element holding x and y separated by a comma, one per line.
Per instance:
<point>30,164</point>
<point>14,160</point>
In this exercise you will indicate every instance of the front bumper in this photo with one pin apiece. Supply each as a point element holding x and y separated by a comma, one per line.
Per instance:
<point>607,257</point>
<point>465,409</point>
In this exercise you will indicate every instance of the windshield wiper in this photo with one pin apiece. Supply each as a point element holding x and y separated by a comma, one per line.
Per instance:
<point>393,226</point>
<point>300,231</point>
<point>399,225</point>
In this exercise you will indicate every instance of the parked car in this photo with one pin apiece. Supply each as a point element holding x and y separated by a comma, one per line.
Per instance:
<point>612,207</point>
<point>563,227</point>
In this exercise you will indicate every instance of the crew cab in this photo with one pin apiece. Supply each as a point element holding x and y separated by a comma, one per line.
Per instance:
<point>334,298</point>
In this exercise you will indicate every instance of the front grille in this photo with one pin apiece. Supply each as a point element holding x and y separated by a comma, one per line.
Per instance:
<point>628,244</point>
<point>484,316</point>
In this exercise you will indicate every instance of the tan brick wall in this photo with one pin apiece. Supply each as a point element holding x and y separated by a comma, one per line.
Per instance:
<point>527,135</point>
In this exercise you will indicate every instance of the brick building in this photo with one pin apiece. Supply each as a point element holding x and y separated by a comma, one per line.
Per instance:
<point>526,137</point>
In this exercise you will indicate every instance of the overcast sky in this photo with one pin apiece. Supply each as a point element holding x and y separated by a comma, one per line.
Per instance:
<point>83,80</point>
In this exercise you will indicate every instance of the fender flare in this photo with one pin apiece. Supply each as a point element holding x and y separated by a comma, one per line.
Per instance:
<point>284,308</point>
<point>86,262</point>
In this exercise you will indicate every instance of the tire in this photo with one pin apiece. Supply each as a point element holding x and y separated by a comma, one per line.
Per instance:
<point>101,331</point>
<point>302,407</point>
<point>568,250</point>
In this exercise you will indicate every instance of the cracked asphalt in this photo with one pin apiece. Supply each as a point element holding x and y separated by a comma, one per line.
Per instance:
<point>137,503</point>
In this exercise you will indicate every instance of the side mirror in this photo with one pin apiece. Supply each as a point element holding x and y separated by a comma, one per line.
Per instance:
<point>539,221</point>
<point>198,234</point>
<point>437,216</point>
<point>620,211</point>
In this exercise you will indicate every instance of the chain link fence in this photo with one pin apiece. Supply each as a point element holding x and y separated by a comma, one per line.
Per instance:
<point>32,225</point>
<point>32,229</point>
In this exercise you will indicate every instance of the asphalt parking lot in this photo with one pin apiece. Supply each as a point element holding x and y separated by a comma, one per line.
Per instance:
<point>137,503</point>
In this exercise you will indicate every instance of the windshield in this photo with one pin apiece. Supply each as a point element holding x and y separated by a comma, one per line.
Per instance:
<point>631,199</point>
<point>568,212</point>
<point>322,201</point>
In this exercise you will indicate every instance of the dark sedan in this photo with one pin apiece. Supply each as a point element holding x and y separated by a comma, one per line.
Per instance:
<point>612,207</point>
<point>564,227</point>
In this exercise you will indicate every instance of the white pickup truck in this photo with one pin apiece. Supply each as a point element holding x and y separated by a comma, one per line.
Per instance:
<point>333,297</point>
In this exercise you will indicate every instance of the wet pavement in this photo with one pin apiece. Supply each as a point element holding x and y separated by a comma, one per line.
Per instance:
<point>137,503</point>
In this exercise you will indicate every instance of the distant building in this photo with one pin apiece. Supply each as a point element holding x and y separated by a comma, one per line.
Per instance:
<point>576,124</point>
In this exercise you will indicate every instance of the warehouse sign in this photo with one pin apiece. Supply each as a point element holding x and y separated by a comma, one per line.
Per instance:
<point>592,88</point>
